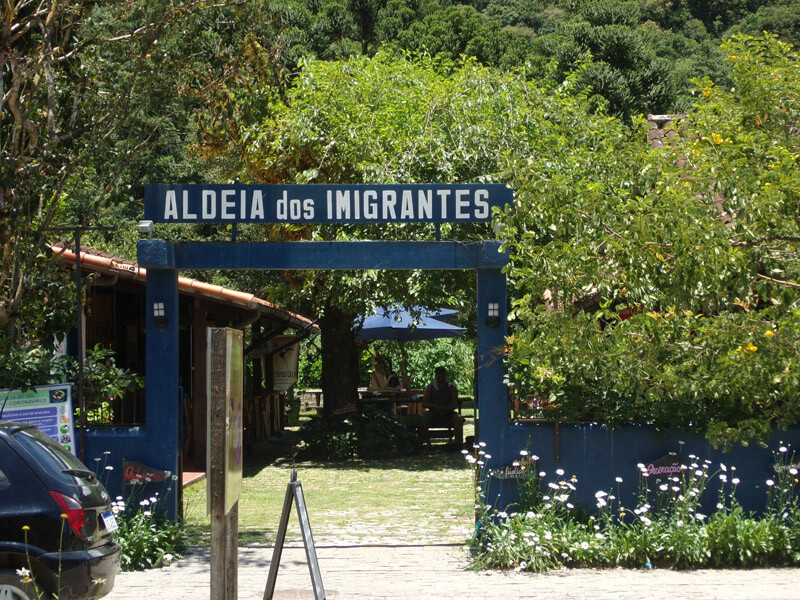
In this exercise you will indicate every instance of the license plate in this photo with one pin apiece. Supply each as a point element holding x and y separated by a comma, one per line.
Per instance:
<point>110,522</point>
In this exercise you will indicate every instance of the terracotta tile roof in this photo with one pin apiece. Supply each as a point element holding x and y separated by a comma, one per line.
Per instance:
<point>102,262</point>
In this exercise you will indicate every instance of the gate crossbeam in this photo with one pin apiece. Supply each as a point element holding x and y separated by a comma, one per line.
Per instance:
<point>449,255</point>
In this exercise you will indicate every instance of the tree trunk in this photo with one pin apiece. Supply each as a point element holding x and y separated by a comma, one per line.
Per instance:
<point>340,362</point>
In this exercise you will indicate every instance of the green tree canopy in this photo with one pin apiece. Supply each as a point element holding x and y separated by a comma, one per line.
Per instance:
<point>698,240</point>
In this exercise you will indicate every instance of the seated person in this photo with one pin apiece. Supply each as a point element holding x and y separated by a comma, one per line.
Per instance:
<point>393,381</point>
<point>377,379</point>
<point>440,400</point>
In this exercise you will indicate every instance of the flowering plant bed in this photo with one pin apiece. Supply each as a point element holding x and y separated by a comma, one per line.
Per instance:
<point>669,525</point>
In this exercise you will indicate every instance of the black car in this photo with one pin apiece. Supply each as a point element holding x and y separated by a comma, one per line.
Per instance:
<point>56,521</point>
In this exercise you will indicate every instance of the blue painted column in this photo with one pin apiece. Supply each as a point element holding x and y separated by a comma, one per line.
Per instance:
<point>161,381</point>
<point>492,401</point>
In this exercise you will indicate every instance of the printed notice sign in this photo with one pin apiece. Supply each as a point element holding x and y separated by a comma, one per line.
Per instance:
<point>48,407</point>
<point>357,203</point>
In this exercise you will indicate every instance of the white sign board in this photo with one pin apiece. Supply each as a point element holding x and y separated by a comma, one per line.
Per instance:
<point>285,363</point>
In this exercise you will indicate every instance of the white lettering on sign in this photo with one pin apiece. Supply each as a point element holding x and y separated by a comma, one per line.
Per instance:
<point>443,195</point>
<point>293,209</point>
<point>356,203</point>
<point>209,204</point>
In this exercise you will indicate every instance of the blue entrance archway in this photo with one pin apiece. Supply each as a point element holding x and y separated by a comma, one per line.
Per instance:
<point>164,260</point>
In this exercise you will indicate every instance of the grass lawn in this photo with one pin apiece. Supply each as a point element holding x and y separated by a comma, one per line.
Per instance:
<point>424,498</point>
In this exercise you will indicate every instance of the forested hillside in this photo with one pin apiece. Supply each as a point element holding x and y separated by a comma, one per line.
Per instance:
<point>638,56</point>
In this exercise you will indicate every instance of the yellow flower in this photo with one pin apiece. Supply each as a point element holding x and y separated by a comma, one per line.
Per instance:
<point>64,516</point>
<point>769,332</point>
<point>706,91</point>
<point>750,347</point>
<point>25,528</point>
<point>696,152</point>
<point>717,138</point>
<point>734,58</point>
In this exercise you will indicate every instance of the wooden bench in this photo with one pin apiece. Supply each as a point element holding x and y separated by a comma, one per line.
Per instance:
<point>446,432</point>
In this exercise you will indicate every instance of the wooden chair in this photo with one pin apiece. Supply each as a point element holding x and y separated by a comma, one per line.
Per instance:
<point>445,432</point>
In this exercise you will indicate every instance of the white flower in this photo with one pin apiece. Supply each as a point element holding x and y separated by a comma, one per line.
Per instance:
<point>168,557</point>
<point>542,474</point>
<point>600,494</point>
<point>482,444</point>
<point>534,457</point>
<point>559,472</point>
<point>619,479</point>
<point>646,521</point>
<point>488,456</point>
<point>523,453</point>
<point>599,536</point>
<point>585,545</point>
<point>109,468</point>
<point>600,503</point>
<point>548,535</point>
<point>783,449</point>
<point>770,483</point>
<point>663,487</point>
<point>570,506</point>
<point>23,572</point>
<point>699,473</point>
<point>465,451</point>
<point>723,477</point>
<point>553,486</point>
<point>720,506</point>
<point>735,481</point>
<point>723,467</point>
<point>793,471</point>
<point>699,516</point>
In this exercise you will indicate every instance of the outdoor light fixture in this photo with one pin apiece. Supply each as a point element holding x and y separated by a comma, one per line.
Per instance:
<point>145,227</point>
<point>493,315</point>
<point>159,315</point>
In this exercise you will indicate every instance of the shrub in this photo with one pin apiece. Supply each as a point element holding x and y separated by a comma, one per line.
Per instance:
<point>370,434</point>
<point>147,538</point>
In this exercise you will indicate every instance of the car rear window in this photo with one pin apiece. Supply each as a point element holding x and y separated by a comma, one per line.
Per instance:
<point>47,453</point>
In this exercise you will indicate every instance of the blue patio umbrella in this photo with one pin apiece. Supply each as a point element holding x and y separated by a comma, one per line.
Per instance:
<point>396,323</point>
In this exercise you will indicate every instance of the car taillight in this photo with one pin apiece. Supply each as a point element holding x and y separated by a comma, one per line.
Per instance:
<point>76,517</point>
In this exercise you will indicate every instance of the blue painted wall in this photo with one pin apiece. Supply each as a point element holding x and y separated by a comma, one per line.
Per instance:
<point>597,455</point>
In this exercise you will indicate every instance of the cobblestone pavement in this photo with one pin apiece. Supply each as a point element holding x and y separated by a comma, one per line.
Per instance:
<point>433,571</point>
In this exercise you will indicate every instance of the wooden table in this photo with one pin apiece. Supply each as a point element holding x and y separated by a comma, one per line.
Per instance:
<point>398,401</point>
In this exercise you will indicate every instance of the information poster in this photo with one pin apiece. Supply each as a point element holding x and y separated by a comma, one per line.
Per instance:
<point>285,362</point>
<point>48,407</point>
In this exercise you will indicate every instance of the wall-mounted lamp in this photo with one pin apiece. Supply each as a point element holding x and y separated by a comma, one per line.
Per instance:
<point>493,315</point>
<point>145,227</point>
<point>159,315</point>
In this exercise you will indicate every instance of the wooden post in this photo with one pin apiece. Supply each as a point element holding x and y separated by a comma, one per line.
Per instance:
<point>224,384</point>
